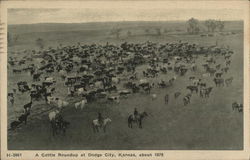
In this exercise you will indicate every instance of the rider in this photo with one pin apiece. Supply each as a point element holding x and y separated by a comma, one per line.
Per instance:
<point>100,119</point>
<point>136,113</point>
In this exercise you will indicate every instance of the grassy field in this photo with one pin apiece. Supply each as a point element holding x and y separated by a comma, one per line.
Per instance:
<point>204,124</point>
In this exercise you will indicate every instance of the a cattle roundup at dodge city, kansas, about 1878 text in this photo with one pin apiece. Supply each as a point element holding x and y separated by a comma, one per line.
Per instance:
<point>125,85</point>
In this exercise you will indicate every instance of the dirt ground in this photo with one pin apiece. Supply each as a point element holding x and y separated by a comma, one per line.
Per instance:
<point>205,124</point>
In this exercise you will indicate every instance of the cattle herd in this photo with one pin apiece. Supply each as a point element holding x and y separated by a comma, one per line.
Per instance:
<point>110,72</point>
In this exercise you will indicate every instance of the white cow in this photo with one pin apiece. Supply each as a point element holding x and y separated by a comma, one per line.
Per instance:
<point>52,115</point>
<point>114,99</point>
<point>98,84</point>
<point>115,80</point>
<point>206,75</point>
<point>80,91</point>
<point>50,79</point>
<point>51,100</point>
<point>154,96</point>
<point>81,104</point>
<point>61,104</point>
<point>143,81</point>
<point>196,81</point>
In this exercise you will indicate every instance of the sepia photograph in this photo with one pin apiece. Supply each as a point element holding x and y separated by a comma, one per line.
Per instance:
<point>125,77</point>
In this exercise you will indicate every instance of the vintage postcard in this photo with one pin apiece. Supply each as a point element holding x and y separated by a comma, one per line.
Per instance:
<point>124,80</point>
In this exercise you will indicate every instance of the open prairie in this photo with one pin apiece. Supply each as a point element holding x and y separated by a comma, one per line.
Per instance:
<point>204,124</point>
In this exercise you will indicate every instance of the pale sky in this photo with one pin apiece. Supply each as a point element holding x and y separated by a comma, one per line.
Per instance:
<point>132,12</point>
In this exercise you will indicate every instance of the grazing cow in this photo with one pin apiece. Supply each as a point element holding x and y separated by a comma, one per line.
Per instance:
<point>36,77</point>
<point>211,71</point>
<point>218,66</point>
<point>177,94</point>
<point>162,84</point>
<point>51,99</point>
<point>202,85</point>
<point>227,57</point>
<point>238,106</point>
<point>228,81</point>
<point>23,117</point>
<point>111,88</point>
<point>50,79</point>
<point>61,103</point>
<point>154,96</point>
<point>218,75</point>
<point>196,81</point>
<point>205,92</point>
<point>206,75</point>
<point>219,82</point>
<point>225,69</point>
<point>115,80</point>
<point>228,63</point>
<point>186,99</point>
<point>17,71</point>
<point>191,78</point>
<point>81,104</point>
<point>124,92</point>
<point>194,67</point>
<point>99,84</point>
<point>81,91</point>
<point>183,71</point>
<point>114,99</point>
<point>11,99</point>
<point>70,91</point>
<point>27,106</point>
<point>193,88</point>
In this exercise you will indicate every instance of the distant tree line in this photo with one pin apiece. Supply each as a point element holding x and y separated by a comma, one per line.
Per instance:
<point>194,25</point>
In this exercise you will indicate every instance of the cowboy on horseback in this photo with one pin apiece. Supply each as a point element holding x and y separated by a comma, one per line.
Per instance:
<point>100,119</point>
<point>136,114</point>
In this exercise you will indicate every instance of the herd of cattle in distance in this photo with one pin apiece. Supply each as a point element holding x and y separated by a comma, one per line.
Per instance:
<point>109,72</point>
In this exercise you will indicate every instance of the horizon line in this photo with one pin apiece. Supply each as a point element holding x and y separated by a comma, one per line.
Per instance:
<point>118,21</point>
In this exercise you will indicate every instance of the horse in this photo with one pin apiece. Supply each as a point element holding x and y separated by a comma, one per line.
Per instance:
<point>58,124</point>
<point>132,119</point>
<point>96,125</point>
